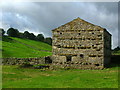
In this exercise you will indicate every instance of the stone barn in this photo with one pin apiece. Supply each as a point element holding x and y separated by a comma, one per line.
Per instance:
<point>80,44</point>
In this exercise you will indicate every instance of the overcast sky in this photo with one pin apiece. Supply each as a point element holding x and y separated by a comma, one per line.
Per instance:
<point>42,17</point>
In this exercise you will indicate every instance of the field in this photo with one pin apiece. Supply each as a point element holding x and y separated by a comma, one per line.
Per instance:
<point>16,77</point>
<point>23,48</point>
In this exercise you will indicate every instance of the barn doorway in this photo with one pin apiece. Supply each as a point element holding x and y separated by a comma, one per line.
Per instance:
<point>68,58</point>
<point>48,60</point>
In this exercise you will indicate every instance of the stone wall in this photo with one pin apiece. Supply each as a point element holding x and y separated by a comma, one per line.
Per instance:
<point>78,41</point>
<point>107,47</point>
<point>81,42</point>
<point>70,65</point>
<point>32,61</point>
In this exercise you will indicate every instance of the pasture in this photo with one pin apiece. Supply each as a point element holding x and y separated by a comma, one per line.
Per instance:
<point>16,77</point>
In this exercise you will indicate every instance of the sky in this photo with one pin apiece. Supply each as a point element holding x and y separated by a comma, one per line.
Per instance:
<point>42,17</point>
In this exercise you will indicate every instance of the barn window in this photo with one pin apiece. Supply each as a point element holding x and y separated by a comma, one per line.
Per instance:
<point>99,55</point>
<point>99,35</point>
<point>60,62</point>
<point>97,44</point>
<point>94,47</point>
<point>68,58</point>
<point>96,64</point>
<point>93,38</point>
<point>90,63</point>
<point>48,60</point>
<point>81,55</point>
<point>92,55</point>
<point>97,49</point>
<point>58,46</point>
<point>88,38</point>
<point>60,33</point>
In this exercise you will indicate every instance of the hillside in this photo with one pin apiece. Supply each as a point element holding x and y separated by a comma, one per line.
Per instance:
<point>23,48</point>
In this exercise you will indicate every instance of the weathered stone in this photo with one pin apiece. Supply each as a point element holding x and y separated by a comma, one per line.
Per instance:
<point>20,61</point>
<point>81,42</point>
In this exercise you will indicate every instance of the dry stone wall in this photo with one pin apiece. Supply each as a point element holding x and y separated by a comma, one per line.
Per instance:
<point>70,65</point>
<point>32,61</point>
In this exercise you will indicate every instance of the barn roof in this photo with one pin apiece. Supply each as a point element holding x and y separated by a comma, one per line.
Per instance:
<point>78,24</point>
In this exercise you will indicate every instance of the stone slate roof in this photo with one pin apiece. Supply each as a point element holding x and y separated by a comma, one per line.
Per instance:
<point>78,24</point>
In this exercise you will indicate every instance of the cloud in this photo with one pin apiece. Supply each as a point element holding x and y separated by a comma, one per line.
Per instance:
<point>42,17</point>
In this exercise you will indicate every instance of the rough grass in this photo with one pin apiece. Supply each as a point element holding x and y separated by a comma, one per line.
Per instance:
<point>15,77</point>
<point>116,53</point>
<point>24,48</point>
<point>35,44</point>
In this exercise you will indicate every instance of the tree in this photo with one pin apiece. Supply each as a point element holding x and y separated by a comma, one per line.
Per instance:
<point>2,31</point>
<point>117,48</point>
<point>21,35</point>
<point>13,32</point>
<point>26,34</point>
<point>40,37</point>
<point>48,40</point>
<point>32,36</point>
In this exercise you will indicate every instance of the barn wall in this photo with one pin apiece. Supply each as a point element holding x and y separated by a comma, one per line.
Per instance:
<point>107,47</point>
<point>80,42</point>
<point>88,43</point>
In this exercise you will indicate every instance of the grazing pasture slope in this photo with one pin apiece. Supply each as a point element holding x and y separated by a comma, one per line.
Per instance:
<point>24,48</point>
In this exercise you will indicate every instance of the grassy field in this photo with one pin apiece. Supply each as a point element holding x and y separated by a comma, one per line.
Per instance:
<point>23,48</point>
<point>15,77</point>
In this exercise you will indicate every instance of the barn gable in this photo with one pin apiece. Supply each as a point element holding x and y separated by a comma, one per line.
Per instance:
<point>80,44</point>
<point>78,24</point>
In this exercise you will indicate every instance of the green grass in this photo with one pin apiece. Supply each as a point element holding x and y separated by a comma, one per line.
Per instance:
<point>35,44</point>
<point>116,52</point>
<point>23,48</point>
<point>15,77</point>
<point>0,49</point>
